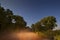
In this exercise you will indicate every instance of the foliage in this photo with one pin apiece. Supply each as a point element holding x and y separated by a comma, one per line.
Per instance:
<point>10,21</point>
<point>56,32</point>
<point>47,23</point>
<point>57,37</point>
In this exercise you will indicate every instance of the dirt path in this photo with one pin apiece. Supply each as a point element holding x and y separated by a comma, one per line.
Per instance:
<point>20,36</point>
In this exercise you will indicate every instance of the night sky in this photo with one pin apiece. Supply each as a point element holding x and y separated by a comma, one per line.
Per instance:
<point>33,10</point>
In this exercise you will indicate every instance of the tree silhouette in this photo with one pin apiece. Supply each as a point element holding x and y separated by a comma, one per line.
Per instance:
<point>47,23</point>
<point>10,21</point>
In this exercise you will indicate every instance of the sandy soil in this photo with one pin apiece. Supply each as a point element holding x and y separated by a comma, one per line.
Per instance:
<point>20,36</point>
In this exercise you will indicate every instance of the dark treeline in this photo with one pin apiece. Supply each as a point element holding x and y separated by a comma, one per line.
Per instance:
<point>9,21</point>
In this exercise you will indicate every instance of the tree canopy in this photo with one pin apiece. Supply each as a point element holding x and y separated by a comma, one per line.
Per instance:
<point>10,21</point>
<point>47,23</point>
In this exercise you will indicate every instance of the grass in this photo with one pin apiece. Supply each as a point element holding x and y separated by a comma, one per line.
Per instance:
<point>57,37</point>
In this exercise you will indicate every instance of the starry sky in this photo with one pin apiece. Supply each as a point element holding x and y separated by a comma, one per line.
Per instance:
<point>33,10</point>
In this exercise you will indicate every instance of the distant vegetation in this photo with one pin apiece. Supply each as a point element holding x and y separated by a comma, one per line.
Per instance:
<point>11,22</point>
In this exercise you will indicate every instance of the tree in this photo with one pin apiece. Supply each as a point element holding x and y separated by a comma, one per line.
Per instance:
<point>33,27</point>
<point>19,22</point>
<point>10,21</point>
<point>47,23</point>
